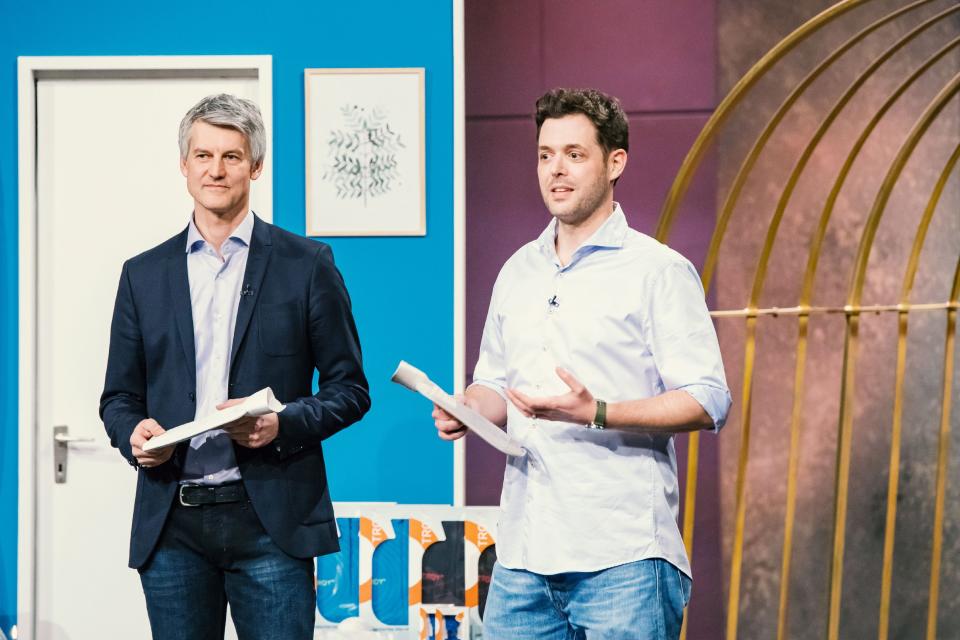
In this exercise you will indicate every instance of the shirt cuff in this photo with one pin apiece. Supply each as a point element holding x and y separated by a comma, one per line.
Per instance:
<point>715,401</point>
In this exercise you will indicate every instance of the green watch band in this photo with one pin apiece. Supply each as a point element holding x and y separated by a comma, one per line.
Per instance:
<point>599,420</point>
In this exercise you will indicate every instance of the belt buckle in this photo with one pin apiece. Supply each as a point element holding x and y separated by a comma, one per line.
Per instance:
<point>180,494</point>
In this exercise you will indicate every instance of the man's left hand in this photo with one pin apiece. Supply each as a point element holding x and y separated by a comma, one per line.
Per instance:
<point>251,432</point>
<point>577,406</point>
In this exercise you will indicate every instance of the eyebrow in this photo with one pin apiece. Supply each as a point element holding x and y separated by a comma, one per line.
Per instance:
<point>544,147</point>
<point>201,149</point>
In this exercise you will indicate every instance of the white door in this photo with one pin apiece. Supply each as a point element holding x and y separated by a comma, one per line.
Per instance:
<point>108,187</point>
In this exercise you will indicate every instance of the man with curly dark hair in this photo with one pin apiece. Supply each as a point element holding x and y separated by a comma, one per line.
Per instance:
<point>597,349</point>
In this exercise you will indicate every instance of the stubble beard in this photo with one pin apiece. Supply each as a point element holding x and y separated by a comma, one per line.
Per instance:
<point>592,198</point>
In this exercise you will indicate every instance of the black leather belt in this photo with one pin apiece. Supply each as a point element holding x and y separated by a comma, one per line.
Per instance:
<point>194,495</point>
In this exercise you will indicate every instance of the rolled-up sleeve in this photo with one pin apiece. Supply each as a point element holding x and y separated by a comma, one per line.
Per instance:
<point>684,342</point>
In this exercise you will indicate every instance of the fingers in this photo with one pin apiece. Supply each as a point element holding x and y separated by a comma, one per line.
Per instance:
<point>448,427</point>
<point>569,380</point>
<point>521,401</point>
<point>230,403</point>
<point>254,433</point>
<point>143,432</point>
<point>241,426</point>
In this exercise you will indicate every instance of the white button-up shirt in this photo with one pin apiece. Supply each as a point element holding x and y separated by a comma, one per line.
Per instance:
<point>214,297</point>
<point>627,318</point>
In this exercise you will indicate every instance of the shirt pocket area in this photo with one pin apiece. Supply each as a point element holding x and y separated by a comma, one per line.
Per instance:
<point>280,328</point>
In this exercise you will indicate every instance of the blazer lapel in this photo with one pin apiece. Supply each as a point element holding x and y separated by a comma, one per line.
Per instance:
<point>182,308</point>
<point>260,246</point>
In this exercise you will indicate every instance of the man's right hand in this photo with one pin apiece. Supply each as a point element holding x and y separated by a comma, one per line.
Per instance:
<point>448,427</point>
<point>145,430</point>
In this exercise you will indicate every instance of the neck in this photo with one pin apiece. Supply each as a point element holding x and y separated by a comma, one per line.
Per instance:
<point>216,228</point>
<point>571,236</point>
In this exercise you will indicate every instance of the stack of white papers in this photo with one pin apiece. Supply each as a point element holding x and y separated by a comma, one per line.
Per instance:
<point>412,378</point>
<point>260,403</point>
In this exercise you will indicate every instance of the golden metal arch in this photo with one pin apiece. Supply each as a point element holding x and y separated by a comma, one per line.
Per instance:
<point>852,309</point>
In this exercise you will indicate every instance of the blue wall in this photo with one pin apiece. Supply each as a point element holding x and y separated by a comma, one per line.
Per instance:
<point>393,453</point>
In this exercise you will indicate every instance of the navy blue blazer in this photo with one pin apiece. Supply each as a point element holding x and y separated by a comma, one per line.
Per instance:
<point>295,319</point>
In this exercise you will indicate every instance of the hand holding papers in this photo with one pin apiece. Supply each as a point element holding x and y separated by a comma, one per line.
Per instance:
<point>260,403</point>
<point>416,380</point>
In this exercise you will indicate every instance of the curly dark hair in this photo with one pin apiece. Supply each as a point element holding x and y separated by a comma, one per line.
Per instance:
<point>604,112</point>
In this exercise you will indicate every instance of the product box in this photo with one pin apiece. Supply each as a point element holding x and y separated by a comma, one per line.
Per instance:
<point>344,580</point>
<point>480,554</point>
<point>444,622</point>
<point>406,572</point>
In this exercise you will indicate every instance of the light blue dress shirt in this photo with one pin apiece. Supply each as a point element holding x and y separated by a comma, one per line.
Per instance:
<point>215,286</point>
<point>627,318</point>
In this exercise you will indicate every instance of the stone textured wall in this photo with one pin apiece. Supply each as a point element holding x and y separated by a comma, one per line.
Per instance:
<point>746,30</point>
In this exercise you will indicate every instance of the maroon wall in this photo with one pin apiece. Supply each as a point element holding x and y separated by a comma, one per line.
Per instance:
<point>659,58</point>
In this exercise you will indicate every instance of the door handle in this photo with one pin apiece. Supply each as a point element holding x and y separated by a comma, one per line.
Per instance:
<point>63,438</point>
<point>61,442</point>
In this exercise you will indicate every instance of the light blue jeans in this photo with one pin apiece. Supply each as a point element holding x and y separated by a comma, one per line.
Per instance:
<point>641,600</point>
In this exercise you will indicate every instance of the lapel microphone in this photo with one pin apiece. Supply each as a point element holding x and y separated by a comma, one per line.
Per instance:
<point>554,302</point>
<point>247,290</point>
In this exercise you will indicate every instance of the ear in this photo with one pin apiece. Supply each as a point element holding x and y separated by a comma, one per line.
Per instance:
<point>616,163</point>
<point>256,171</point>
<point>183,167</point>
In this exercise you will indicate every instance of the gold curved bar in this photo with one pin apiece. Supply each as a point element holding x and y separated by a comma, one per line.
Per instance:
<point>730,201</point>
<point>942,459</point>
<point>793,464</point>
<point>722,112</point>
<point>918,241</point>
<point>893,478</point>
<point>736,559</point>
<point>689,504</point>
<point>850,345</point>
<point>893,466</point>
<point>842,473</point>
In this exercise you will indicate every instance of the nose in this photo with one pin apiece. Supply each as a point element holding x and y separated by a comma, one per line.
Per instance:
<point>217,167</point>
<point>558,168</point>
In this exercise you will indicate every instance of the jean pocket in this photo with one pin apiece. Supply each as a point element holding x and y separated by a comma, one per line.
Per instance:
<point>685,585</point>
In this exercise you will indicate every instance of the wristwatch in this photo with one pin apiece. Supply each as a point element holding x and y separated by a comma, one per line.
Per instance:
<point>600,420</point>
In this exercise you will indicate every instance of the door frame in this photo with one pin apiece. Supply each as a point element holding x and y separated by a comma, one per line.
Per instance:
<point>30,69</point>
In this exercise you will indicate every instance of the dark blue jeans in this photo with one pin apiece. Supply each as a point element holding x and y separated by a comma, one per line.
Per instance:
<point>214,554</point>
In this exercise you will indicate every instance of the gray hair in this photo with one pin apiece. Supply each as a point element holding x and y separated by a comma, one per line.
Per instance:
<point>225,110</point>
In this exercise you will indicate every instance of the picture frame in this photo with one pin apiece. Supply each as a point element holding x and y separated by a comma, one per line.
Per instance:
<point>365,152</point>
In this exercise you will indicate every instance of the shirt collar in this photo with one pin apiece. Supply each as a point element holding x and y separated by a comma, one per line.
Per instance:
<point>243,233</point>
<point>610,234</point>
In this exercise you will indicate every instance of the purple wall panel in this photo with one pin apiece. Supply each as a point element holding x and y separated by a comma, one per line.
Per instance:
<point>504,212</point>
<point>658,145</point>
<point>654,56</point>
<point>502,46</point>
<point>504,209</point>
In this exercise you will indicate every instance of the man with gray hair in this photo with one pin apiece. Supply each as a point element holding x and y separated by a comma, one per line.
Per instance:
<point>227,307</point>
